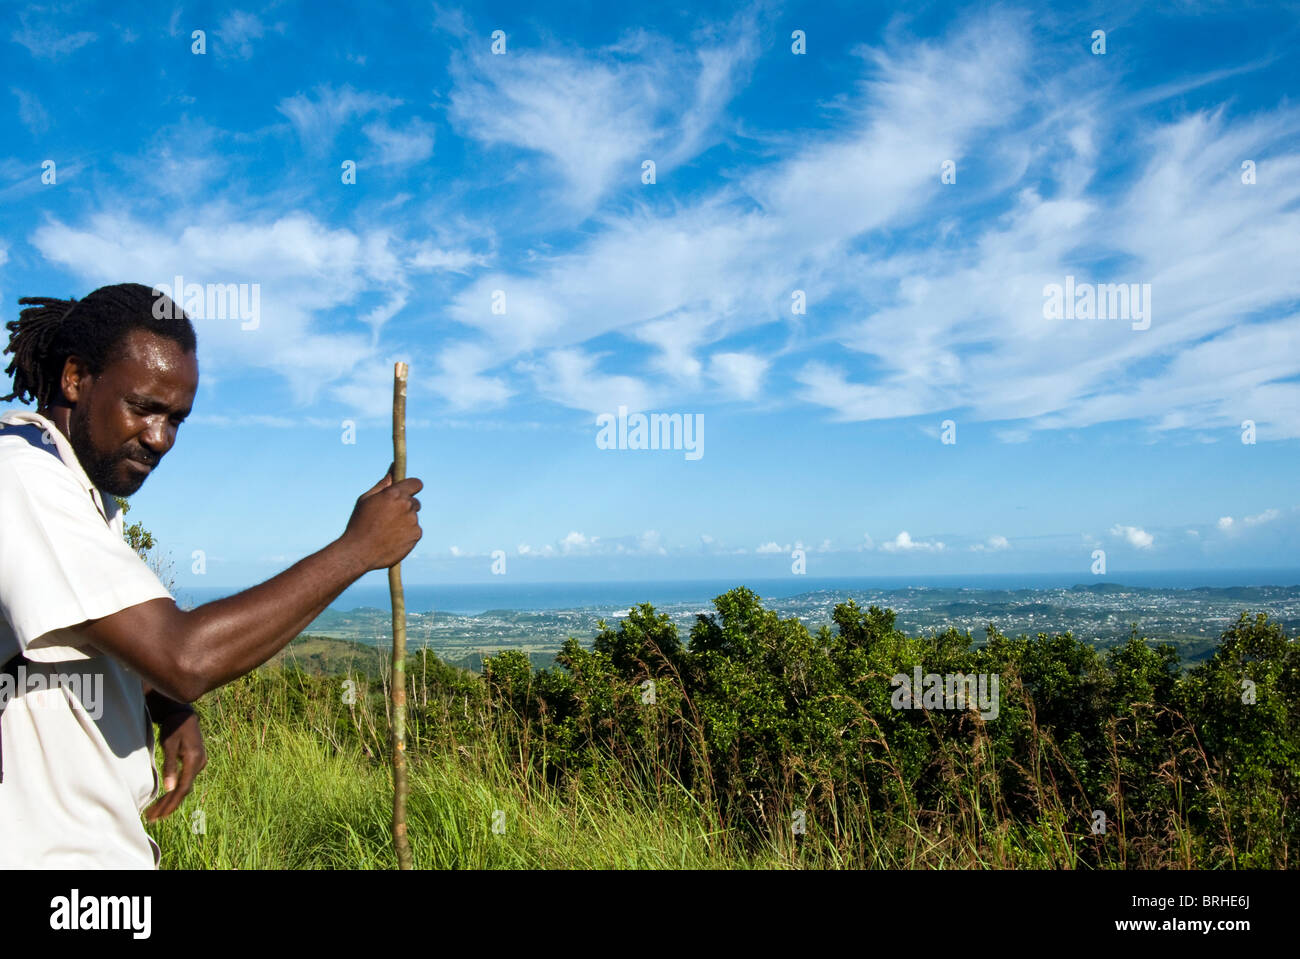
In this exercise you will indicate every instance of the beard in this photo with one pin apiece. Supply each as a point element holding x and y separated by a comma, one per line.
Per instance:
<point>106,471</point>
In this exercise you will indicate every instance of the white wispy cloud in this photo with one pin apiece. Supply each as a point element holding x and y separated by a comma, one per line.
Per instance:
<point>317,119</point>
<point>1265,517</point>
<point>266,420</point>
<point>739,375</point>
<point>30,111</point>
<point>1182,226</point>
<point>597,115</point>
<point>1228,524</point>
<point>677,338</point>
<point>651,542</point>
<point>236,33</point>
<point>399,147</point>
<point>303,269</point>
<point>951,317</point>
<point>571,377</point>
<point>39,31</point>
<point>184,159</point>
<point>427,256</point>
<point>460,379</point>
<point>729,263</point>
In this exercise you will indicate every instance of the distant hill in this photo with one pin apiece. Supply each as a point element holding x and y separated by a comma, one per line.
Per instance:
<point>324,656</point>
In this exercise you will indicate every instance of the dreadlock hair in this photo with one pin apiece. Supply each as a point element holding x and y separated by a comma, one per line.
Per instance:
<point>93,328</point>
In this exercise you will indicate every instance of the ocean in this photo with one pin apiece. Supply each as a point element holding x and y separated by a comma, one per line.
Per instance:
<point>473,598</point>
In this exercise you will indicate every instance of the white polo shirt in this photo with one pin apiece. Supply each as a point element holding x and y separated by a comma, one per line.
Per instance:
<point>77,755</point>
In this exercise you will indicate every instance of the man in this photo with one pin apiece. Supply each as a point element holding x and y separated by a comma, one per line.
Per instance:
<point>86,625</point>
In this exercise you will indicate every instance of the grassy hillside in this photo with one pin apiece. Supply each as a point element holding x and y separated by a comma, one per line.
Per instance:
<point>323,656</point>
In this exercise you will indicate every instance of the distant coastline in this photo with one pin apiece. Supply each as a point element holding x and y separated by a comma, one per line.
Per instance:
<point>470,599</point>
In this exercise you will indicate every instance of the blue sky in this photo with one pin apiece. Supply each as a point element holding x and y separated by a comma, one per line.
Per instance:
<point>774,172</point>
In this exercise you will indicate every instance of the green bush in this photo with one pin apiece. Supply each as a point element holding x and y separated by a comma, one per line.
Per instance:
<point>766,723</point>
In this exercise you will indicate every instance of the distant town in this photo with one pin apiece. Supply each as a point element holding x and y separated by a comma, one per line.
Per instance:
<point>1103,613</point>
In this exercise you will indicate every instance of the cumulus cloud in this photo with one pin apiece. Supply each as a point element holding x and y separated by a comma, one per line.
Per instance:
<point>1135,536</point>
<point>903,543</point>
<point>576,541</point>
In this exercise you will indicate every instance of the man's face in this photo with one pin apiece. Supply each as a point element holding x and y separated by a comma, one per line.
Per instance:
<point>124,420</point>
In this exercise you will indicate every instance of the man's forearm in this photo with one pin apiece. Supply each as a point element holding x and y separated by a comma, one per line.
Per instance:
<point>229,637</point>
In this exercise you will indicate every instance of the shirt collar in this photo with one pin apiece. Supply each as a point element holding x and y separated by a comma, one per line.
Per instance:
<point>106,505</point>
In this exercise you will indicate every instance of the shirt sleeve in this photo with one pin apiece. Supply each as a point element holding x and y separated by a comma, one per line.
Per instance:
<point>60,563</point>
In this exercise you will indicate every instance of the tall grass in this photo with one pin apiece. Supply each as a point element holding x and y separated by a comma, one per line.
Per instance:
<point>284,790</point>
<point>298,779</point>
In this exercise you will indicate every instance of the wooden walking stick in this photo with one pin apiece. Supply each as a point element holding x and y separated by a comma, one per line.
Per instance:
<point>400,840</point>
